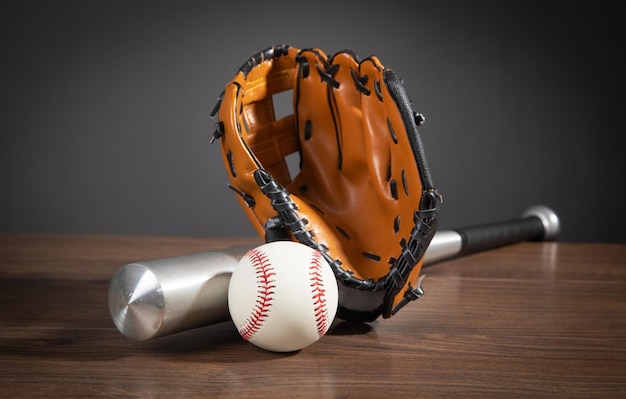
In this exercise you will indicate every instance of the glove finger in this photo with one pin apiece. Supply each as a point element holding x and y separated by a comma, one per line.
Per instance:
<point>316,125</point>
<point>345,103</point>
<point>377,139</point>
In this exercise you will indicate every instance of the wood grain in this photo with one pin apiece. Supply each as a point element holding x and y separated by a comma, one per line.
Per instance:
<point>529,320</point>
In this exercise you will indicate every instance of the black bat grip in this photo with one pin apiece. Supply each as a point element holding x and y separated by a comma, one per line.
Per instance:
<point>538,223</point>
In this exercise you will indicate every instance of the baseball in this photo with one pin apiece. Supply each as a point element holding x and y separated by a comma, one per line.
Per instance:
<point>282,296</point>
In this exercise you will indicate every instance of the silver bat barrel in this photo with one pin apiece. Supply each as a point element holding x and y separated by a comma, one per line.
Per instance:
<point>164,296</point>
<point>159,297</point>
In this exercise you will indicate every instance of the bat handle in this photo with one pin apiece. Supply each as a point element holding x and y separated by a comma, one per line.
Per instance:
<point>536,224</point>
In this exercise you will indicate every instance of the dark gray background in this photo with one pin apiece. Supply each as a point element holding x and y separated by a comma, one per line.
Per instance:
<point>105,106</point>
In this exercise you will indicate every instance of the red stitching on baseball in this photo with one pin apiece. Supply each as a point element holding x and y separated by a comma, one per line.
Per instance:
<point>319,294</point>
<point>265,284</point>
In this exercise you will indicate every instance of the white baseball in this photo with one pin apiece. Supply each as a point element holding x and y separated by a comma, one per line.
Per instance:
<point>282,296</point>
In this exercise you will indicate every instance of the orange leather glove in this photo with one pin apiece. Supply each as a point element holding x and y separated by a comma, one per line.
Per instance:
<point>363,195</point>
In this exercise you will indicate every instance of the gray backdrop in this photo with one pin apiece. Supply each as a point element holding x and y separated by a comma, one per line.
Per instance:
<point>105,106</point>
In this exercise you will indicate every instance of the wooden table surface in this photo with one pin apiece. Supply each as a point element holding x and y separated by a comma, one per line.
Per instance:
<point>529,320</point>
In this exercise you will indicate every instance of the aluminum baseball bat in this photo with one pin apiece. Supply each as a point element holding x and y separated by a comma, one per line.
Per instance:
<point>160,297</point>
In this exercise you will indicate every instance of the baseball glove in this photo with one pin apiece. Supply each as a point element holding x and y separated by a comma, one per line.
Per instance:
<point>362,196</point>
